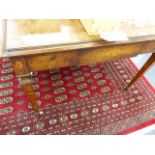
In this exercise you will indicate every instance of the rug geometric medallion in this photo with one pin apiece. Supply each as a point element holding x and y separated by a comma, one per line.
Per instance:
<point>81,100</point>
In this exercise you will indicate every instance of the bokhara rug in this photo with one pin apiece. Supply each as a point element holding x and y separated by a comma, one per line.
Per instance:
<point>77,100</point>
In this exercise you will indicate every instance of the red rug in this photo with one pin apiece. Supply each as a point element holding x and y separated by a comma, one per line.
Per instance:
<point>77,100</point>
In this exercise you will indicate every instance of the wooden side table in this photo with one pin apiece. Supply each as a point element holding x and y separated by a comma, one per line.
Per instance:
<point>80,49</point>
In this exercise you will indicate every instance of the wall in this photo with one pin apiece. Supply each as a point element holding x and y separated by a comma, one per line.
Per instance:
<point>150,73</point>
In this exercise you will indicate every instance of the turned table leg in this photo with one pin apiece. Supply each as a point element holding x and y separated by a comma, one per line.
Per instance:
<point>142,70</point>
<point>29,91</point>
<point>23,74</point>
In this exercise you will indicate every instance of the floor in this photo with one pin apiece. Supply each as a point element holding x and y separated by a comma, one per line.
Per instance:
<point>150,75</point>
<point>66,107</point>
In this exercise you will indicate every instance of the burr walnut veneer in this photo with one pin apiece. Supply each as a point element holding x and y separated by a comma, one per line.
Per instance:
<point>42,59</point>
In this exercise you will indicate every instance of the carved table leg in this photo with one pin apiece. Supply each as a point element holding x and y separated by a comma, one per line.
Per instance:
<point>23,73</point>
<point>142,70</point>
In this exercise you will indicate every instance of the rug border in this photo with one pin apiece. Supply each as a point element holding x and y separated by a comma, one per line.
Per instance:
<point>143,125</point>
